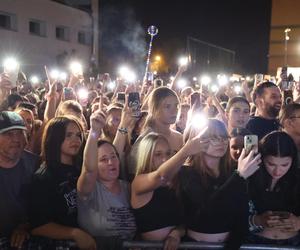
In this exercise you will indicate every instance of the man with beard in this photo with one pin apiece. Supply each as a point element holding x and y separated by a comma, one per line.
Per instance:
<point>268,100</point>
<point>16,169</point>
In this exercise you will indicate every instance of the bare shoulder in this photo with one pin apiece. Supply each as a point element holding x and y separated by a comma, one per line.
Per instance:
<point>176,140</point>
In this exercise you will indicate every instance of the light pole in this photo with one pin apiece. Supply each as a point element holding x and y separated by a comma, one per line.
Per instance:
<point>286,38</point>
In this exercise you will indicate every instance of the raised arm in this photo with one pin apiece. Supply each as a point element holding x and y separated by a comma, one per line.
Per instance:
<point>145,183</point>
<point>87,180</point>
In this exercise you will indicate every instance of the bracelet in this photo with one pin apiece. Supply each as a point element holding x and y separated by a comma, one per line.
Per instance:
<point>123,130</point>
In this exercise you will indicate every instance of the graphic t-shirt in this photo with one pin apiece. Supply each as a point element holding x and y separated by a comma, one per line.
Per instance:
<point>54,196</point>
<point>106,214</point>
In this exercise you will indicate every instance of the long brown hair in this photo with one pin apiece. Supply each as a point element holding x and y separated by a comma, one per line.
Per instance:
<point>54,136</point>
<point>215,128</point>
<point>156,98</point>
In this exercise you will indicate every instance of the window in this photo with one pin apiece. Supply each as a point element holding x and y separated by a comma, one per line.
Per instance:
<point>37,27</point>
<point>84,37</point>
<point>62,33</point>
<point>8,21</point>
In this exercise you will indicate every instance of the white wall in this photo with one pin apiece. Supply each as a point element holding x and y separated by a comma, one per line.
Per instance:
<point>34,51</point>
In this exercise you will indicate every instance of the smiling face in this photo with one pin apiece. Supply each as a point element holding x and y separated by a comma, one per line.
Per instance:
<point>277,167</point>
<point>108,163</point>
<point>271,101</point>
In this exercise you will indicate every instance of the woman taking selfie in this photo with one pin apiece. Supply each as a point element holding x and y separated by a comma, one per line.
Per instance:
<point>274,193</point>
<point>210,189</point>
<point>156,208</point>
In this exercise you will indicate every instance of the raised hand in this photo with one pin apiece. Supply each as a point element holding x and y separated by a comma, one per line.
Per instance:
<point>97,119</point>
<point>247,165</point>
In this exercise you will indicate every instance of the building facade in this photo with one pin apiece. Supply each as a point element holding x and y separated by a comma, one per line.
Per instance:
<point>285,15</point>
<point>44,32</point>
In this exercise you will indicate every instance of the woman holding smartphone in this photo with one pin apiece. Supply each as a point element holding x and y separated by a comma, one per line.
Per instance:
<point>274,193</point>
<point>213,193</point>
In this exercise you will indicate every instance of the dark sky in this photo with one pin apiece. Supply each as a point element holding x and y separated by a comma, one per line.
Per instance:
<point>239,25</point>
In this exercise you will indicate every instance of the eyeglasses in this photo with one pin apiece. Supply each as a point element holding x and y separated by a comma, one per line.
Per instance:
<point>217,140</point>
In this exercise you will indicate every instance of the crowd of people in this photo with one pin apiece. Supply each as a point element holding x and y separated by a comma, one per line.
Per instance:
<point>84,165</point>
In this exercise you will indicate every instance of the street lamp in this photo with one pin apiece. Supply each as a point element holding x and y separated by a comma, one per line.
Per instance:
<point>286,38</point>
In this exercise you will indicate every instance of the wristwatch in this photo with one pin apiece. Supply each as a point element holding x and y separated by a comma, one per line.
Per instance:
<point>123,130</point>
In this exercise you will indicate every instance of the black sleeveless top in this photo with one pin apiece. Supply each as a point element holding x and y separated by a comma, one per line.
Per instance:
<point>163,210</point>
<point>219,208</point>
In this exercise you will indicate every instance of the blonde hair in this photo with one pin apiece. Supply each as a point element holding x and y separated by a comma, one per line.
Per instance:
<point>146,147</point>
<point>69,107</point>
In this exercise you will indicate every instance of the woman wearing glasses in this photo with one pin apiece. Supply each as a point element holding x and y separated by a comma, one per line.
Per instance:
<point>213,194</point>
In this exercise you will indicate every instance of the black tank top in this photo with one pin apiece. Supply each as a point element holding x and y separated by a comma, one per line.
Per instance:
<point>163,210</point>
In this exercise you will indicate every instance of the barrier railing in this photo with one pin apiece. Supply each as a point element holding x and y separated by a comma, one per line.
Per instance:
<point>202,246</point>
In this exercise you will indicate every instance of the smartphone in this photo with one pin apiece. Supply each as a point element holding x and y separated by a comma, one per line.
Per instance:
<point>195,99</point>
<point>158,83</point>
<point>68,93</point>
<point>250,142</point>
<point>287,97</point>
<point>284,79</point>
<point>259,78</point>
<point>149,78</point>
<point>282,214</point>
<point>121,97</point>
<point>134,103</point>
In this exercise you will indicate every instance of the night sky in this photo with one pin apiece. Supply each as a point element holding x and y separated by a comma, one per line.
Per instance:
<point>241,26</point>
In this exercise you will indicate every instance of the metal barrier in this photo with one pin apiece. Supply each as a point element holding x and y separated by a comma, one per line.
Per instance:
<point>202,246</point>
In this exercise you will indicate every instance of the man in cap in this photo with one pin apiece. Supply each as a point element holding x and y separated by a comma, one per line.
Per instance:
<point>16,169</point>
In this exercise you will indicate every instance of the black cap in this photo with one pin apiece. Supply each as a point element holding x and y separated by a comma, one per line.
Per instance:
<point>10,120</point>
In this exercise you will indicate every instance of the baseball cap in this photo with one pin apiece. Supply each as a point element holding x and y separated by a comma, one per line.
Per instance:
<point>10,120</point>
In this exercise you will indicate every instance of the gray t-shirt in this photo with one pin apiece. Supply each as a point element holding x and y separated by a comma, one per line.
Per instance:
<point>103,213</point>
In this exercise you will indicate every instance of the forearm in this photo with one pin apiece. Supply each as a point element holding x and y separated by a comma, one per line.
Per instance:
<point>55,231</point>
<point>169,168</point>
<point>50,108</point>
<point>120,141</point>
<point>90,159</point>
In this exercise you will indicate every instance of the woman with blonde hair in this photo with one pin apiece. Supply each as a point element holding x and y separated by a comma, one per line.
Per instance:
<point>156,208</point>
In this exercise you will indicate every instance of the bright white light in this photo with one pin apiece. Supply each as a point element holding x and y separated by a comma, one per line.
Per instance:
<point>199,120</point>
<point>111,85</point>
<point>181,83</point>
<point>123,71</point>
<point>234,79</point>
<point>214,88</point>
<point>155,73</point>
<point>205,80</point>
<point>223,80</point>
<point>172,78</point>
<point>63,76</point>
<point>183,61</point>
<point>34,79</point>
<point>248,78</point>
<point>54,74</point>
<point>237,89</point>
<point>194,78</point>
<point>76,68</point>
<point>82,93</point>
<point>10,64</point>
<point>130,77</point>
